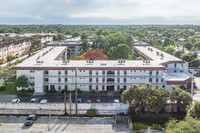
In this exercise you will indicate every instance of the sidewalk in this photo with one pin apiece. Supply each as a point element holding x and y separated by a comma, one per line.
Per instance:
<point>3,65</point>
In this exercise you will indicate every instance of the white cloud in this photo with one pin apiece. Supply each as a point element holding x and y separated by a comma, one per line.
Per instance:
<point>97,15</point>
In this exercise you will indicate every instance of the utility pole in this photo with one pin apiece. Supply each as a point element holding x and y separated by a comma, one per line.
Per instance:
<point>76,91</point>
<point>70,104</point>
<point>49,121</point>
<point>65,102</point>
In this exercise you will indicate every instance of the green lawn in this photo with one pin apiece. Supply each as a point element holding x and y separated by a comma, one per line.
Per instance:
<point>11,89</point>
<point>160,119</point>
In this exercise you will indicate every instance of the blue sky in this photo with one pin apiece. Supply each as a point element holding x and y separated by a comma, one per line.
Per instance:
<point>100,12</point>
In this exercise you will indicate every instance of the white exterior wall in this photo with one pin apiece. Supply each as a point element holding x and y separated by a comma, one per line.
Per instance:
<point>39,81</point>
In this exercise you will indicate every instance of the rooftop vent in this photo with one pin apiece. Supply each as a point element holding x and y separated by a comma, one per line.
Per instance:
<point>39,61</point>
<point>146,62</point>
<point>157,53</point>
<point>121,61</point>
<point>90,61</point>
<point>65,61</point>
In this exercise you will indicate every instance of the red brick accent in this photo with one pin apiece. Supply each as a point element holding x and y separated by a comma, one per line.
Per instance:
<point>89,68</point>
<point>187,81</point>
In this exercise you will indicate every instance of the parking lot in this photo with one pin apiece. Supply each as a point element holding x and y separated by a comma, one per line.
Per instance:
<point>59,98</point>
<point>63,124</point>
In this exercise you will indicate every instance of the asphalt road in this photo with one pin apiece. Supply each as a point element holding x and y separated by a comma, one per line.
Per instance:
<point>58,98</point>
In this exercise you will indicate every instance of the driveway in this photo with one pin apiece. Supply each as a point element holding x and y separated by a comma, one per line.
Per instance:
<point>72,125</point>
<point>58,98</point>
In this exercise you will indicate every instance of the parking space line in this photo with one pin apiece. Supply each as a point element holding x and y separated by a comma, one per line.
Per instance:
<point>13,116</point>
<point>3,116</point>
<point>54,117</point>
<point>107,117</point>
<point>44,116</point>
<point>23,116</point>
<point>85,117</point>
<point>64,117</point>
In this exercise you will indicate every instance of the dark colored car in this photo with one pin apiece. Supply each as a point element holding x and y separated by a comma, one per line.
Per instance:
<point>197,75</point>
<point>29,121</point>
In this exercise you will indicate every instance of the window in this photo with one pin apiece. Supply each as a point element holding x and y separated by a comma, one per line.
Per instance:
<point>157,80</point>
<point>59,79</point>
<point>97,80</point>
<point>118,80</point>
<point>97,87</point>
<point>46,72</point>
<point>66,72</point>
<point>157,72</point>
<point>124,80</point>
<point>124,87</point>
<point>32,78</point>
<point>118,72</point>
<point>31,71</point>
<point>90,72</point>
<point>103,72</point>
<point>59,72</point>
<point>59,87</point>
<point>175,71</point>
<point>103,80</point>
<point>97,73</point>
<point>66,79</point>
<point>175,65</point>
<point>150,72</point>
<point>103,88</point>
<point>150,80</point>
<point>162,80</point>
<point>90,79</point>
<point>90,87</point>
<point>52,87</point>
<point>125,72</point>
<point>118,87</point>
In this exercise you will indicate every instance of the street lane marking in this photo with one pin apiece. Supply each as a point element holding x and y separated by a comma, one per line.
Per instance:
<point>107,117</point>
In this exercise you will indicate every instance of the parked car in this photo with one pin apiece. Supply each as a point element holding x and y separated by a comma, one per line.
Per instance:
<point>79,100</point>
<point>31,118</point>
<point>43,101</point>
<point>89,101</point>
<point>33,100</point>
<point>15,101</point>
<point>116,100</point>
<point>197,74</point>
<point>98,100</point>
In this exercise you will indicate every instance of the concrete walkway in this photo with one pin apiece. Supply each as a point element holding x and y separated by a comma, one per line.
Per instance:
<point>13,61</point>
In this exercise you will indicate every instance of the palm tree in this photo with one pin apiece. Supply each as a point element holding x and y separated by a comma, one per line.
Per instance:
<point>85,45</point>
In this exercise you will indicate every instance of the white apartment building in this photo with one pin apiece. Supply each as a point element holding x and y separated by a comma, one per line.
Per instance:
<point>19,47</point>
<point>47,71</point>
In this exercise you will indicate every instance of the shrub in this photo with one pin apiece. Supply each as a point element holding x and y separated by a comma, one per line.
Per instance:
<point>78,90</point>
<point>139,126</point>
<point>91,112</point>
<point>52,90</point>
<point>156,127</point>
<point>2,87</point>
<point>62,91</point>
<point>1,61</point>
<point>121,90</point>
<point>92,91</point>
